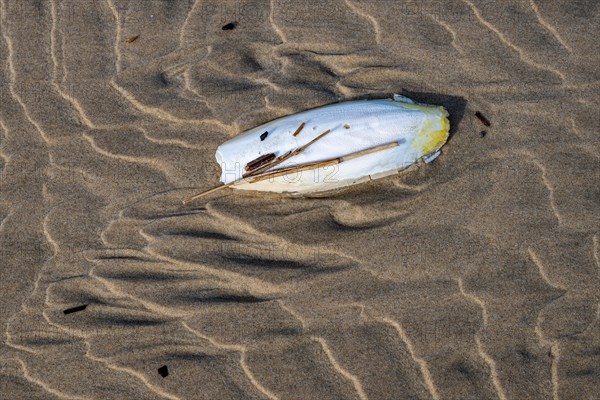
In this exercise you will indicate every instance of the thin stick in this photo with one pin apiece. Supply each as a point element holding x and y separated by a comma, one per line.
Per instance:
<point>269,165</point>
<point>323,163</point>
<point>302,148</point>
<point>284,157</point>
<point>189,199</point>
<point>368,151</point>
<point>299,129</point>
<point>298,168</point>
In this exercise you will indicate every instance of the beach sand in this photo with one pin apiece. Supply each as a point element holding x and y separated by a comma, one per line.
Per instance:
<point>474,277</point>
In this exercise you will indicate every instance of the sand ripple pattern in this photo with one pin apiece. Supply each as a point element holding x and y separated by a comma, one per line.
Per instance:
<point>475,278</point>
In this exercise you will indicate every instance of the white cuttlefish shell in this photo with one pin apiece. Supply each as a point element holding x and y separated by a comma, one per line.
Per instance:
<point>420,130</point>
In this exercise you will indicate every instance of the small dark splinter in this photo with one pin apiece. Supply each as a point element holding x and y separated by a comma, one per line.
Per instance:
<point>229,26</point>
<point>133,39</point>
<point>483,119</point>
<point>482,133</point>
<point>264,136</point>
<point>75,309</point>
<point>299,129</point>
<point>163,371</point>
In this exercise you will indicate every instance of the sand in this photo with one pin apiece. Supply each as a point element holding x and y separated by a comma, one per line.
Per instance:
<point>474,277</point>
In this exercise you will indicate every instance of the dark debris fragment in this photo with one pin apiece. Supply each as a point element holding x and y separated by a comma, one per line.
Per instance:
<point>75,309</point>
<point>483,119</point>
<point>163,371</point>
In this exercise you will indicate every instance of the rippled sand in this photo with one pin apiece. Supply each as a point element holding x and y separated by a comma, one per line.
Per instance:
<point>475,277</point>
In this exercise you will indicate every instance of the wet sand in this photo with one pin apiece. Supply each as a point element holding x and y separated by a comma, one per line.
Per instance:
<point>474,277</point>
